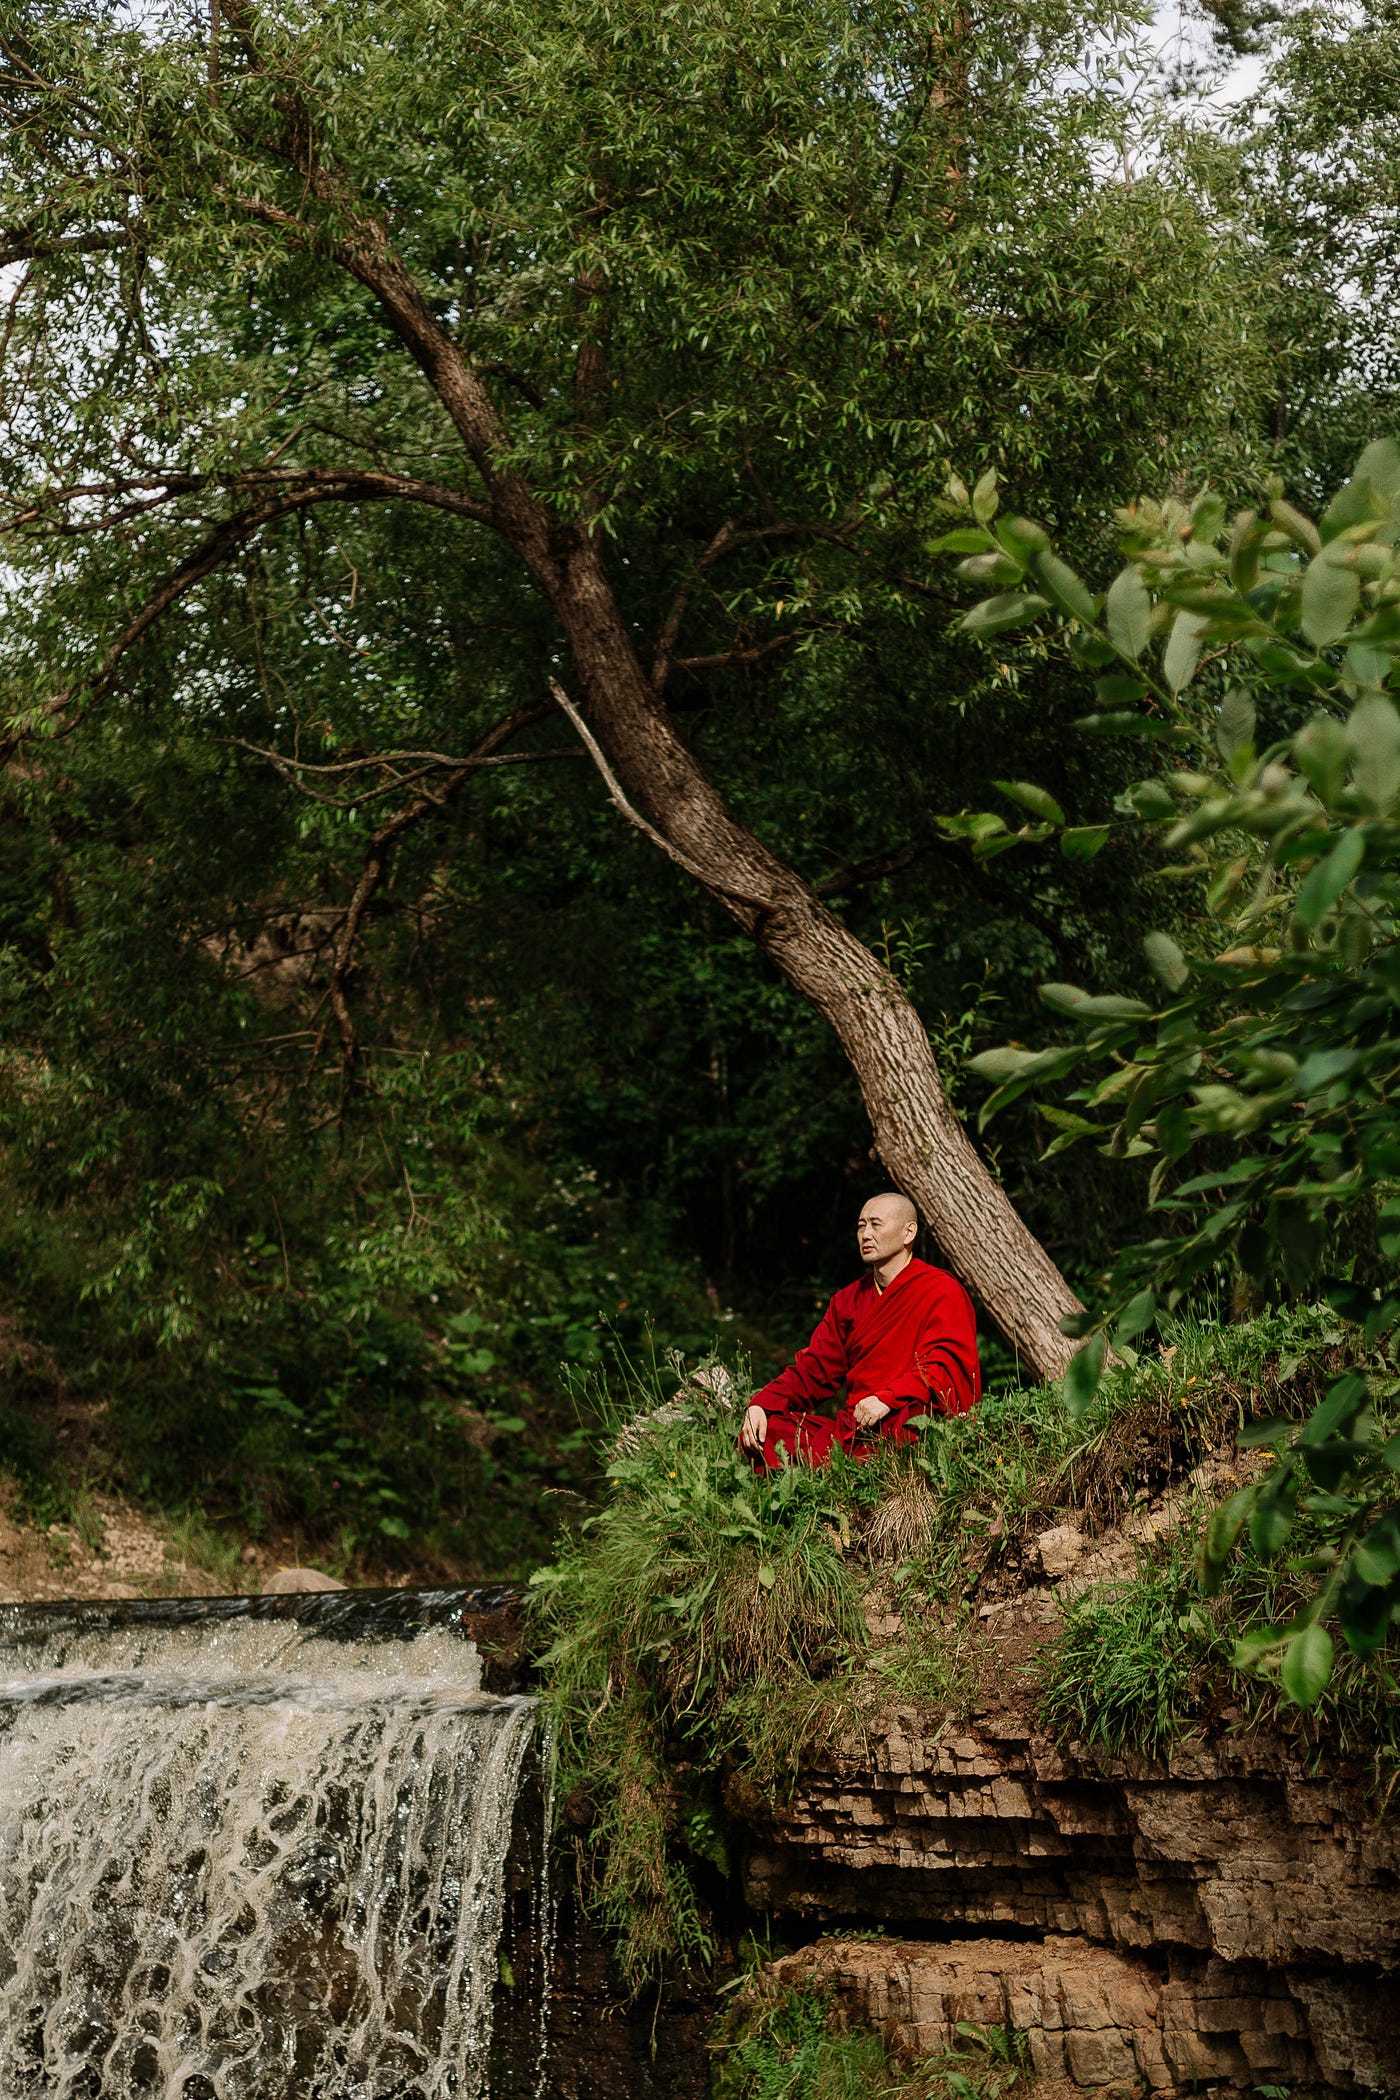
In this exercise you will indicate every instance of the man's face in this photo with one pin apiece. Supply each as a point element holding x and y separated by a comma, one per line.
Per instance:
<point>882,1230</point>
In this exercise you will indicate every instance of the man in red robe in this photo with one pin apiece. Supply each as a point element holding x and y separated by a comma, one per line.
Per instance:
<point>903,1342</point>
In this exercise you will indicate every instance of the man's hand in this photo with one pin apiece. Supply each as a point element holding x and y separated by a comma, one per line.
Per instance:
<point>867,1412</point>
<point>754,1433</point>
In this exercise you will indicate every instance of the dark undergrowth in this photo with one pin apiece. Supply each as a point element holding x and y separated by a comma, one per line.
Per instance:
<point>704,1630</point>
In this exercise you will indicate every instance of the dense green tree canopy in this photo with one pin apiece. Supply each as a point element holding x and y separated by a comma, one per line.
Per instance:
<point>741,283</point>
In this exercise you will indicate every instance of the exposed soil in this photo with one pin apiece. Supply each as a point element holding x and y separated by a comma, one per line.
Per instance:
<point>117,1553</point>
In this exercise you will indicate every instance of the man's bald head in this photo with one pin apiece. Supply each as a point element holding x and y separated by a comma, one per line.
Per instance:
<point>886,1231</point>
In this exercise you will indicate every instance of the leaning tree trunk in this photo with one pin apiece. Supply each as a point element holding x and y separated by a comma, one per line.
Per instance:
<point>917,1135</point>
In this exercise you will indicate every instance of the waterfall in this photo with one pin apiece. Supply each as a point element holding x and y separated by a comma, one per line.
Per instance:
<point>249,1859</point>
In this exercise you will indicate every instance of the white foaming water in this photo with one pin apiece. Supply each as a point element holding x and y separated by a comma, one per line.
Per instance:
<point>244,1861</point>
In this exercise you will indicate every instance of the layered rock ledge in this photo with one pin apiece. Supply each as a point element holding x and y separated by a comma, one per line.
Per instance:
<point>1229,1915</point>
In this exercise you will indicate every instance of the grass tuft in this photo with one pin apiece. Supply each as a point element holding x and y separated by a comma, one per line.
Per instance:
<point>782,2044</point>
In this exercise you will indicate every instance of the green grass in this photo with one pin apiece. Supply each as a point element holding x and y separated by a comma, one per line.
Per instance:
<point>688,1626</point>
<point>785,2045</point>
<point>1019,1456</point>
<point>1141,1663</point>
<point>704,1627</point>
<point>1121,1675</point>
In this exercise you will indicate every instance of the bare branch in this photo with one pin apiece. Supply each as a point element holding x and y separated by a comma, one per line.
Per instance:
<point>759,650</point>
<point>292,769</point>
<point>727,541</point>
<point>20,246</point>
<point>873,870</point>
<point>376,860</point>
<point>635,818</point>
<point>339,484</point>
<point>671,625</point>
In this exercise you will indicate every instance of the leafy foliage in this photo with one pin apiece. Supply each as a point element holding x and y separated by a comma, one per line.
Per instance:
<point>1142,1662</point>
<point>783,2044</point>
<point>691,1622</point>
<point>1259,1079</point>
<point>734,273</point>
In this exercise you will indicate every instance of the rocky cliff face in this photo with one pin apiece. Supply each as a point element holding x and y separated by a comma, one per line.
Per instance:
<point>1231,1916</point>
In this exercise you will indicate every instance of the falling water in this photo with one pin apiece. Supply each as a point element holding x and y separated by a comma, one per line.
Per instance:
<point>249,1860</point>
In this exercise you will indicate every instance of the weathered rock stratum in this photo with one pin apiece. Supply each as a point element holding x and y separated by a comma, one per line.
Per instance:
<point>1230,1915</point>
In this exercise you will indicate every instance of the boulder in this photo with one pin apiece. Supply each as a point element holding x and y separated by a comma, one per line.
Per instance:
<point>297,1582</point>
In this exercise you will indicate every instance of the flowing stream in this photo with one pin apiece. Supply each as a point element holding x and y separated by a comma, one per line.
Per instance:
<point>249,1858</point>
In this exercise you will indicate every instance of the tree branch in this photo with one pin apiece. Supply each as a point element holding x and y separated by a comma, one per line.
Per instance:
<point>759,650</point>
<point>21,246</point>
<point>873,870</point>
<point>292,769</point>
<point>222,544</point>
<point>376,861</point>
<point>340,484</point>
<point>634,817</point>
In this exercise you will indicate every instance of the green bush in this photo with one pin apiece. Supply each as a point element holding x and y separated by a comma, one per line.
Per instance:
<point>1262,652</point>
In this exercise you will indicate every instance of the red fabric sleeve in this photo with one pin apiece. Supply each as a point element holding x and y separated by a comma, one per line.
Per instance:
<point>814,1373</point>
<point>947,1354</point>
<point>945,1377</point>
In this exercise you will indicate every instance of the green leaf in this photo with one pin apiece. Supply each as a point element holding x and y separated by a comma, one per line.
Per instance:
<point>766,1575</point>
<point>973,824</point>
<point>1083,841</point>
<point>1373,735</point>
<point>1324,883</point>
<point>1081,1380</point>
<point>964,539</point>
<point>1133,725</point>
<point>1270,1522</point>
<point>1002,1098</point>
<point>1307,1665</point>
<point>1035,799</point>
<point>1059,579</point>
<point>1009,1062</point>
<point>1221,1536</point>
<point>1322,1069</point>
<point>1063,998</point>
<point>1002,1063</point>
<point>1374,483</point>
<point>1245,536</point>
<point>1022,538</point>
<point>1152,800</point>
<point>1007,609</point>
<point>1234,723</point>
<point>1376,1558</point>
<point>1183,650</point>
<point>1321,748</point>
<point>1380,465</point>
<point>1166,960</point>
<point>1331,595</point>
<point>1128,611</point>
<point>1118,689</point>
<point>1137,1315</point>
<point>985,500</point>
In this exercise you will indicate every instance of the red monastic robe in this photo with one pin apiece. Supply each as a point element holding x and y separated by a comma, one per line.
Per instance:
<point>913,1345</point>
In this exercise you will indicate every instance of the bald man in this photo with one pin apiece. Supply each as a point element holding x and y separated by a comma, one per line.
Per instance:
<point>902,1341</point>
